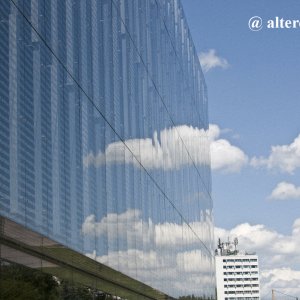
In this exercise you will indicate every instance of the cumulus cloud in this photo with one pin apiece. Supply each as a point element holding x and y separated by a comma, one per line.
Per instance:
<point>262,239</point>
<point>127,260</point>
<point>227,157</point>
<point>152,261</point>
<point>224,155</point>
<point>285,190</point>
<point>173,148</point>
<point>164,270</point>
<point>129,224</point>
<point>167,233</point>
<point>163,254</point>
<point>285,280</point>
<point>209,60</point>
<point>279,255</point>
<point>121,223</point>
<point>193,261</point>
<point>286,158</point>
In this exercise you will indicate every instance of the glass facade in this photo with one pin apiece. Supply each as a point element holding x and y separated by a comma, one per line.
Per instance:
<point>103,143</point>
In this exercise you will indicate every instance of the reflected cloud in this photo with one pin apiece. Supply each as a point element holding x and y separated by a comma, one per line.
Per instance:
<point>193,261</point>
<point>163,255</point>
<point>174,148</point>
<point>169,149</point>
<point>129,224</point>
<point>166,268</point>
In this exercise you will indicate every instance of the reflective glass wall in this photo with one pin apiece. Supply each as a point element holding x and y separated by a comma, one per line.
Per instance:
<point>103,142</point>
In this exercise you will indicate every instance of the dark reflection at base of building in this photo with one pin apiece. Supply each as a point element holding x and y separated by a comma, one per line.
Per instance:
<point>27,256</point>
<point>20,282</point>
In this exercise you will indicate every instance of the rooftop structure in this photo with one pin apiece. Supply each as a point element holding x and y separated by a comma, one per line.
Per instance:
<point>237,273</point>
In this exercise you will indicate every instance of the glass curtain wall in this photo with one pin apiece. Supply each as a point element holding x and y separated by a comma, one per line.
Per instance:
<point>103,136</point>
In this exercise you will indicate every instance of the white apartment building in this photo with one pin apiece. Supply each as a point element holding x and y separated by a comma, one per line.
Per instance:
<point>237,273</point>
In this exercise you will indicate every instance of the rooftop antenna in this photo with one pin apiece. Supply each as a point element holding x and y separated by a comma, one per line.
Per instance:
<point>236,241</point>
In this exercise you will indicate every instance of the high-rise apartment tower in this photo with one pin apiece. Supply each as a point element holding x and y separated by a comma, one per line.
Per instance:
<point>237,273</point>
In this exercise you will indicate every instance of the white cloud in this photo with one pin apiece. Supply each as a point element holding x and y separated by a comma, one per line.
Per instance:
<point>165,270</point>
<point>173,148</point>
<point>279,255</point>
<point>285,190</point>
<point>129,224</point>
<point>113,221</point>
<point>224,155</point>
<point>266,241</point>
<point>162,255</point>
<point>167,233</point>
<point>209,60</point>
<point>193,261</point>
<point>284,280</point>
<point>227,157</point>
<point>127,260</point>
<point>286,158</point>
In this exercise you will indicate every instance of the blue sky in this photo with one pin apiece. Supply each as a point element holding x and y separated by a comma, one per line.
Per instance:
<point>253,81</point>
